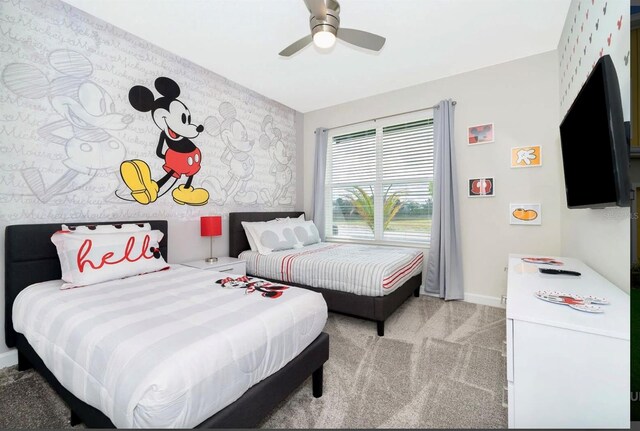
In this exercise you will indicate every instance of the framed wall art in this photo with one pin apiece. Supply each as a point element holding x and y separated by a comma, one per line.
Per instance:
<point>482,134</point>
<point>526,157</point>
<point>481,187</point>
<point>525,214</point>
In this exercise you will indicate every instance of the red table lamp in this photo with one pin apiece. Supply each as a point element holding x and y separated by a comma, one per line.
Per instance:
<point>211,226</point>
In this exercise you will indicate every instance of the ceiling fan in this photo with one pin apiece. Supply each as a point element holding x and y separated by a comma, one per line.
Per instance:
<point>325,28</point>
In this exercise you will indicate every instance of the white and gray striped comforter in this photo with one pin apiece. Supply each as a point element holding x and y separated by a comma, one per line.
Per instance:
<point>366,270</point>
<point>167,349</point>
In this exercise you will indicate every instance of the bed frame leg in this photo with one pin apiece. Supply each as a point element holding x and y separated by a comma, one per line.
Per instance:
<point>416,292</point>
<point>316,378</point>
<point>23,362</point>
<point>74,419</point>
<point>380,327</point>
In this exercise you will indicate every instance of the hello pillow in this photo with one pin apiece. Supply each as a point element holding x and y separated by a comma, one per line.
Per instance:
<point>94,258</point>
<point>108,228</point>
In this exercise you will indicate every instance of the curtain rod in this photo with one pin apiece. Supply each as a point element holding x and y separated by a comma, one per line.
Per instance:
<point>388,116</point>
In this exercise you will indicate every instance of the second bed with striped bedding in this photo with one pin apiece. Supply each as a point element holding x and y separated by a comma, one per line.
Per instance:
<point>360,269</point>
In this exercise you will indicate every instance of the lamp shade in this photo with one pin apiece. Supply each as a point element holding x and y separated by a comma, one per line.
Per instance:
<point>211,226</point>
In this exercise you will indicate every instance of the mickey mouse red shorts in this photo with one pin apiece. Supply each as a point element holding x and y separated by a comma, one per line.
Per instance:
<point>182,163</point>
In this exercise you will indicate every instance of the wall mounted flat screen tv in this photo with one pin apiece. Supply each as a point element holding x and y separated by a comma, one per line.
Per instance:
<point>595,150</point>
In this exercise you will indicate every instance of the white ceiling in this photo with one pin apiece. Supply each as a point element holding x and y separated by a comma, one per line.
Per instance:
<point>426,40</point>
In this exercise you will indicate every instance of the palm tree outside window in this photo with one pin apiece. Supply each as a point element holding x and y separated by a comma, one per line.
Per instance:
<point>379,183</point>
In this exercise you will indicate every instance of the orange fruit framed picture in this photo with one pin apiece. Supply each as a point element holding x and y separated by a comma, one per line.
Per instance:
<point>525,214</point>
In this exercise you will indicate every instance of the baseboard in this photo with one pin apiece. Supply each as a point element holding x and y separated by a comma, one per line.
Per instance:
<point>474,298</point>
<point>9,358</point>
<point>493,301</point>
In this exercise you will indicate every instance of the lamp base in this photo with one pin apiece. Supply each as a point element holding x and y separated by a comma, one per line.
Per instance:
<point>211,260</point>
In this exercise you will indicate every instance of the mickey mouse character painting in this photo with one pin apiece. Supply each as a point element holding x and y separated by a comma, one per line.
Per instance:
<point>182,157</point>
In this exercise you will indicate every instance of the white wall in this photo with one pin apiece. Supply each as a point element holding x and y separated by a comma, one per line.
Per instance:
<point>599,237</point>
<point>521,98</point>
<point>299,159</point>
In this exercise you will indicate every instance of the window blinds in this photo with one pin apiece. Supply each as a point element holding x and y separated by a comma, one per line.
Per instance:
<point>407,172</point>
<point>380,183</point>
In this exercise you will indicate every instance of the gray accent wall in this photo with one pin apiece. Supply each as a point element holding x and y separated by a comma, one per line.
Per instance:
<point>66,124</point>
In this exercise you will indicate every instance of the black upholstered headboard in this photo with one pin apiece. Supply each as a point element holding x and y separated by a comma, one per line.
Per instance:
<point>238,239</point>
<point>30,257</point>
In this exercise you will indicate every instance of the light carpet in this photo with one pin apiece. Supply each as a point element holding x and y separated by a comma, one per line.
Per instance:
<point>439,365</point>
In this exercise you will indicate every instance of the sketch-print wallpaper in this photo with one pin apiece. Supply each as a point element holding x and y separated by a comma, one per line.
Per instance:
<point>594,28</point>
<point>67,125</point>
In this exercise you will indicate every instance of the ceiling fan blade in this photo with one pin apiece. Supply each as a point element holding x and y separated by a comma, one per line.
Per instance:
<point>296,46</point>
<point>318,8</point>
<point>360,38</point>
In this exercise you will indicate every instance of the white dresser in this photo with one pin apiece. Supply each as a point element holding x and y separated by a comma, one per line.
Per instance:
<point>566,368</point>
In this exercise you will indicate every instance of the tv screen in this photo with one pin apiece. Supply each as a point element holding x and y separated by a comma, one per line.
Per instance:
<point>595,152</point>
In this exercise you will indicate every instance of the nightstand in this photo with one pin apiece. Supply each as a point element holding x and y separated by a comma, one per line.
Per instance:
<point>224,264</point>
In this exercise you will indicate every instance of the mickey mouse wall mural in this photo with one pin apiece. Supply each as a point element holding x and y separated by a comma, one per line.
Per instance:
<point>86,118</point>
<point>181,157</point>
<point>281,157</point>
<point>236,156</point>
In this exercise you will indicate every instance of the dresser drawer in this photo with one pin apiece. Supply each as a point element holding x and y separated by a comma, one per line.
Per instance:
<point>509,350</point>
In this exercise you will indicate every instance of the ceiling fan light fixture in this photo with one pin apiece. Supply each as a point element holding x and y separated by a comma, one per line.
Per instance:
<point>324,39</point>
<point>324,22</point>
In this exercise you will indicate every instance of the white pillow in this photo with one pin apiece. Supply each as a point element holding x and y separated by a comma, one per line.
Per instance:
<point>300,217</point>
<point>271,237</point>
<point>251,235</point>
<point>306,233</point>
<point>88,258</point>
<point>248,232</point>
<point>109,228</point>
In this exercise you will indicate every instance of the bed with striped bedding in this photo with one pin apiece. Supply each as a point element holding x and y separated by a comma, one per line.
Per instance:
<point>366,270</point>
<point>167,349</point>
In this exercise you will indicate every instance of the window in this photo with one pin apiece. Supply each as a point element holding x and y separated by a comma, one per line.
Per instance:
<point>380,182</point>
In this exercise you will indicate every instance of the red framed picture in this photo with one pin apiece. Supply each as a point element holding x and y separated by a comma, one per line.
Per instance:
<point>482,134</point>
<point>481,187</point>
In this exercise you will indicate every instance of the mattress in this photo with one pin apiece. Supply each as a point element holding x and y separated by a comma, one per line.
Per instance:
<point>167,349</point>
<point>366,270</point>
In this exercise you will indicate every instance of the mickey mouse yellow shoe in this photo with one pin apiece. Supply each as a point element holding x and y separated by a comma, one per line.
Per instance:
<point>137,176</point>
<point>190,196</point>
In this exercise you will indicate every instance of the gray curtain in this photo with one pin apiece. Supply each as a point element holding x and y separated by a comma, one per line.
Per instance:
<point>319,174</point>
<point>444,265</point>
